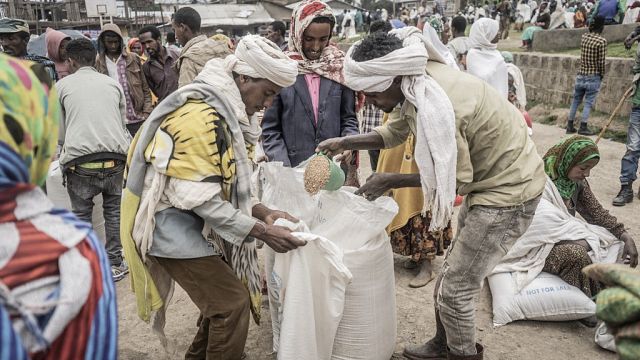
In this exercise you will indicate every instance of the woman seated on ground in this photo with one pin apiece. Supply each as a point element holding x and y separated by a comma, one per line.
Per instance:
<point>542,22</point>
<point>559,243</point>
<point>568,164</point>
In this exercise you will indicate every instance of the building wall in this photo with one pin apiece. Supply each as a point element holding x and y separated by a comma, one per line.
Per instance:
<point>550,78</point>
<point>562,39</point>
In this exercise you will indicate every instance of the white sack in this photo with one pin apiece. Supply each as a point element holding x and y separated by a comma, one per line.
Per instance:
<point>356,226</point>
<point>315,277</point>
<point>546,298</point>
<point>604,337</point>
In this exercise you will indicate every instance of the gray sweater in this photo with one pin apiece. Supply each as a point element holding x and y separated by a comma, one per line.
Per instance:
<point>93,118</point>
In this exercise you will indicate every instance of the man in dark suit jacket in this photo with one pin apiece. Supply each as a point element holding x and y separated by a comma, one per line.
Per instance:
<point>316,107</point>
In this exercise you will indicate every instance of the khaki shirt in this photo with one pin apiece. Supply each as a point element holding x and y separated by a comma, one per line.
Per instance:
<point>498,164</point>
<point>195,54</point>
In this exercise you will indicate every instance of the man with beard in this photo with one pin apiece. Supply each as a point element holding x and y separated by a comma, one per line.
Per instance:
<point>159,69</point>
<point>14,37</point>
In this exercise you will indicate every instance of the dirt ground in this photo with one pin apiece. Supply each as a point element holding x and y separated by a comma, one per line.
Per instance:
<point>524,340</point>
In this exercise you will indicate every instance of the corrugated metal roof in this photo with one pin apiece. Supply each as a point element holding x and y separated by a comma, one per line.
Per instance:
<point>279,12</point>
<point>331,3</point>
<point>232,14</point>
<point>179,2</point>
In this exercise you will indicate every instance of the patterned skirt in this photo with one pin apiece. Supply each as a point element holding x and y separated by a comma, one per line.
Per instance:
<point>415,240</point>
<point>567,262</point>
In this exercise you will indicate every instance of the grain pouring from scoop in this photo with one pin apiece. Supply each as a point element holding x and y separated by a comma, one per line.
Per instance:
<point>316,175</point>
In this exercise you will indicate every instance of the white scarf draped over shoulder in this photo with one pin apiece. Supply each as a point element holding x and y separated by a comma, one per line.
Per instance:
<point>436,151</point>
<point>255,57</point>
<point>260,58</point>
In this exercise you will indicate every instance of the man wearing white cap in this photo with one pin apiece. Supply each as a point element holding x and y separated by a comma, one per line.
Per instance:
<point>493,163</point>
<point>187,211</point>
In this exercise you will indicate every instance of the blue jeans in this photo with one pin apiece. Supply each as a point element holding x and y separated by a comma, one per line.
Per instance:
<point>85,184</point>
<point>629,164</point>
<point>587,88</point>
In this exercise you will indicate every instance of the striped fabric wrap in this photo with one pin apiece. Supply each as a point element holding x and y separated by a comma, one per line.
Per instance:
<point>57,298</point>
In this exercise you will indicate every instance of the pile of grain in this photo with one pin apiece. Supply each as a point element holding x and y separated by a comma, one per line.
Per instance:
<point>317,174</point>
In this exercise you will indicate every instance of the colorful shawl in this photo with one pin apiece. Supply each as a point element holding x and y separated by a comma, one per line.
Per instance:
<point>435,21</point>
<point>566,154</point>
<point>57,297</point>
<point>330,63</point>
<point>222,158</point>
<point>201,158</point>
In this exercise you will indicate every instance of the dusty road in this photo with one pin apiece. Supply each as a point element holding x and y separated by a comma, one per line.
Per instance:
<point>525,340</point>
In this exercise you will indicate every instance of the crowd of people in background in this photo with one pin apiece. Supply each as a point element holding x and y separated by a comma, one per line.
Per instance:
<point>143,152</point>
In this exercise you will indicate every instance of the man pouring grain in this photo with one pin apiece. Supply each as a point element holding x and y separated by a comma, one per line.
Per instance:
<point>494,163</point>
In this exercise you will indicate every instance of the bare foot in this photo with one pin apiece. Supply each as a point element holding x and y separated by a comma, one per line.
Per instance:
<point>424,276</point>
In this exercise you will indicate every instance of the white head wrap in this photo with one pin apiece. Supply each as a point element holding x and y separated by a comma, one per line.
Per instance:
<point>255,57</point>
<point>483,31</point>
<point>376,75</point>
<point>430,33</point>
<point>483,59</point>
<point>260,58</point>
<point>436,153</point>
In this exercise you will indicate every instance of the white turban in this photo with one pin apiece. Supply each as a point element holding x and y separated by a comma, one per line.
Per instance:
<point>436,152</point>
<point>483,59</point>
<point>376,75</point>
<point>260,58</point>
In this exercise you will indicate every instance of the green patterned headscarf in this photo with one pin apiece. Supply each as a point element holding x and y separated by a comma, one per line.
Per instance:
<point>566,154</point>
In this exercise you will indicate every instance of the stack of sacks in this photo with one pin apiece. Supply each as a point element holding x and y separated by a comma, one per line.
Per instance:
<point>619,305</point>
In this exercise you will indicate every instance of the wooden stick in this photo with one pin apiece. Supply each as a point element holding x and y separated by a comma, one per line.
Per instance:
<point>615,111</point>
